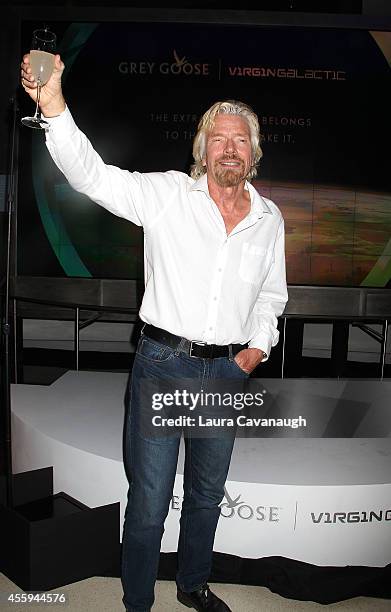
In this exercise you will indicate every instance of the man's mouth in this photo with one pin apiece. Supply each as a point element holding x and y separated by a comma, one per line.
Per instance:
<point>230,162</point>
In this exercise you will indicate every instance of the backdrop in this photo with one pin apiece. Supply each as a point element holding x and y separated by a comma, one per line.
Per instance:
<point>138,90</point>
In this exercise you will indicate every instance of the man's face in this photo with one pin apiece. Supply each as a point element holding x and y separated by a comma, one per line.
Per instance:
<point>228,150</point>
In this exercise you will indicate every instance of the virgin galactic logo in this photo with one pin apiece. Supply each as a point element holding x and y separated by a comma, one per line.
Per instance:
<point>354,516</point>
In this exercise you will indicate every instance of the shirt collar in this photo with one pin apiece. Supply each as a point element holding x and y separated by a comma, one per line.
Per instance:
<point>258,203</point>
<point>201,184</point>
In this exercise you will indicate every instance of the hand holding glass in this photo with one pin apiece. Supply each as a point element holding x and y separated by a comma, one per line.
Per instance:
<point>43,48</point>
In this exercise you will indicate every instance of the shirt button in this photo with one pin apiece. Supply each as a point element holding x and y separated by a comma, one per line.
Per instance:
<point>220,269</point>
<point>215,298</point>
<point>210,328</point>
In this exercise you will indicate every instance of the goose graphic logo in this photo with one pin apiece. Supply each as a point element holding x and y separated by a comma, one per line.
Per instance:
<point>232,507</point>
<point>178,60</point>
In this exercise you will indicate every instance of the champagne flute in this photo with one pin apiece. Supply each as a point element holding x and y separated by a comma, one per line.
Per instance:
<point>43,48</point>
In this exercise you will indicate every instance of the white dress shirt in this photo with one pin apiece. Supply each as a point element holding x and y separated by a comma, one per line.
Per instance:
<point>199,282</point>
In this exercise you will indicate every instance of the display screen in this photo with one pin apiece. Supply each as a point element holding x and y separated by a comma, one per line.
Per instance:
<point>138,90</point>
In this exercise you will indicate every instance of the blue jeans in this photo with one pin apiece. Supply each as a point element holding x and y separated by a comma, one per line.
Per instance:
<point>151,467</point>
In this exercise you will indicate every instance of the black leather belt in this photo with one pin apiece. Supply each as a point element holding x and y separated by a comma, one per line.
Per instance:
<point>191,347</point>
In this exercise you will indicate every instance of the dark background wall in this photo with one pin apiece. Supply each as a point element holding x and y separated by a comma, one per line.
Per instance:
<point>10,15</point>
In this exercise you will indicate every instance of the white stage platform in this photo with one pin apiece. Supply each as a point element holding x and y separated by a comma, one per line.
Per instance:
<point>322,501</point>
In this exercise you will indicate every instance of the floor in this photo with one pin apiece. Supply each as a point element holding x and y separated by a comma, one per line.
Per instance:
<point>105,595</point>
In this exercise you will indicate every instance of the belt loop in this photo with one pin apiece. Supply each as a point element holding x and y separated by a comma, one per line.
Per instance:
<point>142,329</point>
<point>230,354</point>
<point>180,347</point>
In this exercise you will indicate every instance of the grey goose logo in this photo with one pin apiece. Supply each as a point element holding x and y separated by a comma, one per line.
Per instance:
<point>231,507</point>
<point>180,66</point>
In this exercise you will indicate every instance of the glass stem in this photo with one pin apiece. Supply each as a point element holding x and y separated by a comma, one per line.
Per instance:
<point>37,111</point>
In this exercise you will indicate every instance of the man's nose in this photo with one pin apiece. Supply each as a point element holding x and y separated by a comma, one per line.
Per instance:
<point>230,146</point>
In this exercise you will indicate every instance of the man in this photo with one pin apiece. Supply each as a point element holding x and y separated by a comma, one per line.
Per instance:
<point>214,287</point>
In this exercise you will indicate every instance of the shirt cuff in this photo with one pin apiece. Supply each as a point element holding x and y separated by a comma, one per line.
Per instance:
<point>61,124</point>
<point>262,342</point>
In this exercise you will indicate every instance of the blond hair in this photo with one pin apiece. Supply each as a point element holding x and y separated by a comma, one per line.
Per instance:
<point>206,123</point>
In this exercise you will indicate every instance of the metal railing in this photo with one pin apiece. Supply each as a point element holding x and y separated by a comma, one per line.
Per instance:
<point>80,324</point>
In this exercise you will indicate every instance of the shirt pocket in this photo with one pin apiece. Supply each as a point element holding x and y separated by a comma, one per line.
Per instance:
<point>254,260</point>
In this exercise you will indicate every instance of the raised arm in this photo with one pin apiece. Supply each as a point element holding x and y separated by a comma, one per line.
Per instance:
<point>131,195</point>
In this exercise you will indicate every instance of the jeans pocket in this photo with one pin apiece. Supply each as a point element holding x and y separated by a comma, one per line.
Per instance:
<point>153,350</point>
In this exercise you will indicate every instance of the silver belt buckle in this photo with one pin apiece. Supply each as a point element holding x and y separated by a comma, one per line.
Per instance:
<point>191,347</point>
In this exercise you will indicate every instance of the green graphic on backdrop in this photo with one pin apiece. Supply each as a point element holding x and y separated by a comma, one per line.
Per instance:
<point>73,42</point>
